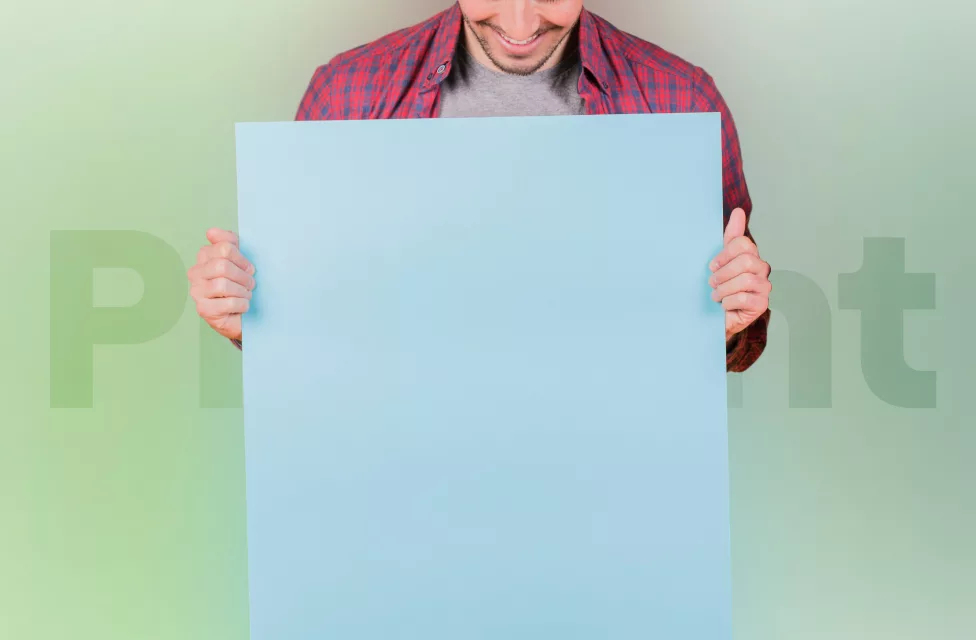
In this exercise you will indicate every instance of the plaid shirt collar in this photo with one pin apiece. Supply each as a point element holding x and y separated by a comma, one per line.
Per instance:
<point>438,62</point>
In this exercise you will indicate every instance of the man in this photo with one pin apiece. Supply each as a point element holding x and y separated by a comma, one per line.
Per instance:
<point>518,58</point>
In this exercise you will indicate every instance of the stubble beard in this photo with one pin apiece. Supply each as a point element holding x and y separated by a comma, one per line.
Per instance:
<point>518,71</point>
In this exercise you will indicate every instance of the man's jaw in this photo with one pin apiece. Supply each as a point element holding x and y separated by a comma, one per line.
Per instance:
<point>509,48</point>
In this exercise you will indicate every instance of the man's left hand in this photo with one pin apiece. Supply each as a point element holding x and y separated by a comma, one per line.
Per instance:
<point>740,278</point>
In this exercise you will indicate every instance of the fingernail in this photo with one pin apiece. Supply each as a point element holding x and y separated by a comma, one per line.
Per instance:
<point>713,266</point>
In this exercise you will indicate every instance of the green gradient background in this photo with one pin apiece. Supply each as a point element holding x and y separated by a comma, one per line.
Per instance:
<point>127,520</point>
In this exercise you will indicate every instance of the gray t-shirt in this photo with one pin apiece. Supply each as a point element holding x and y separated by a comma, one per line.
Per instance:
<point>474,90</point>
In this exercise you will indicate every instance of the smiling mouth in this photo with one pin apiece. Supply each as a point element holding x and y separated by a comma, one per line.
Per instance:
<point>519,43</point>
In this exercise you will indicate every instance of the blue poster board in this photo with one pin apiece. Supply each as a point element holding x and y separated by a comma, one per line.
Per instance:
<point>484,381</point>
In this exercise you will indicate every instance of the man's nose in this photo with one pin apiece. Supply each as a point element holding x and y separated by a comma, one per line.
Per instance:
<point>519,19</point>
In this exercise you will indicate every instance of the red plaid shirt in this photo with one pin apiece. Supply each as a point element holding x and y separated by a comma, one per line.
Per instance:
<point>398,76</point>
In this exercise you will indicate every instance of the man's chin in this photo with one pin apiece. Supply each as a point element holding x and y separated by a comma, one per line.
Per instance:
<point>519,65</point>
<point>520,70</point>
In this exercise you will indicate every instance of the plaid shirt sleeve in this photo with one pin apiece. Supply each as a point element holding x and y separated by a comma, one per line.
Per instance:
<point>315,103</point>
<point>745,347</point>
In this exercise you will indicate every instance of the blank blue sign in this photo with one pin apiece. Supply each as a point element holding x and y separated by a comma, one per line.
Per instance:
<point>484,381</point>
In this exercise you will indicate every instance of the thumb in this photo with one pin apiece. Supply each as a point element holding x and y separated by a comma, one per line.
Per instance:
<point>736,226</point>
<point>222,235</point>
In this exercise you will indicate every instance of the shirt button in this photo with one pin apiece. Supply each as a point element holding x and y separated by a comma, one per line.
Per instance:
<point>441,68</point>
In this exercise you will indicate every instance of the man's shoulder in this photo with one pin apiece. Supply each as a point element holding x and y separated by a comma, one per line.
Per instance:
<point>643,54</point>
<point>390,47</point>
<point>666,81</point>
<point>371,73</point>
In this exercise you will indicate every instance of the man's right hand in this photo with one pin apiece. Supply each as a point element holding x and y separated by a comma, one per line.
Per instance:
<point>221,283</point>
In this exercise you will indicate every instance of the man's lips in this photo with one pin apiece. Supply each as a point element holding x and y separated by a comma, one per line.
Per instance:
<point>518,47</point>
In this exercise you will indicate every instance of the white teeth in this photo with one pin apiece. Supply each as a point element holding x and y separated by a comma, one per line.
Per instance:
<point>518,42</point>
